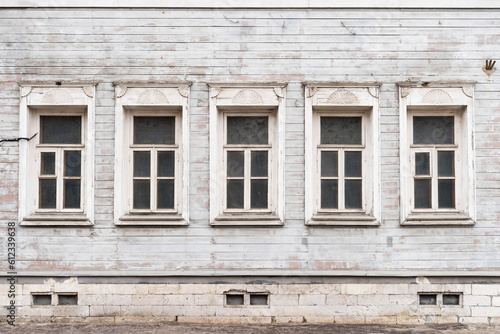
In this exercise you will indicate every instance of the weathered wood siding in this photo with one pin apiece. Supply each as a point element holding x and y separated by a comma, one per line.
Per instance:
<point>242,46</point>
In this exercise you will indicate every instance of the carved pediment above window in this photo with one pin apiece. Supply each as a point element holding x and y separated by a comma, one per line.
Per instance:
<point>152,96</point>
<point>247,97</point>
<point>343,96</point>
<point>57,96</point>
<point>437,97</point>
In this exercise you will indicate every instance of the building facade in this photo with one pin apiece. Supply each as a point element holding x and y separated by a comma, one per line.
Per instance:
<point>274,162</point>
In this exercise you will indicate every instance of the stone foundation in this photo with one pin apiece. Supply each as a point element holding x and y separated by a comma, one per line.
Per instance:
<point>368,301</point>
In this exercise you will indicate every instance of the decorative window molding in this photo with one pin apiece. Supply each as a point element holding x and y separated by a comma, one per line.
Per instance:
<point>152,158</point>
<point>342,167</point>
<point>437,154</point>
<point>57,165</point>
<point>247,134</point>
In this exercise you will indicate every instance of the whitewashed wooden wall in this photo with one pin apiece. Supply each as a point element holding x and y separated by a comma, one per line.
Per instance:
<point>240,46</point>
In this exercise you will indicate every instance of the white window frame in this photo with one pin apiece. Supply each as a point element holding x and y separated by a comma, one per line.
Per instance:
<point>151,100</point>
<point>247,100</point>
<point>342,101</point>
<point>438,99</point>
<point>50,100</point>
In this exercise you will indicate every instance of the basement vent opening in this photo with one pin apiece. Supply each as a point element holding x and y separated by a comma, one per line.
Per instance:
<point>427,299</point>
<point>235,299</point>
<point>258,299</point>
<point>451,299</point>
<point>68,299</point>
<point>42,299</point>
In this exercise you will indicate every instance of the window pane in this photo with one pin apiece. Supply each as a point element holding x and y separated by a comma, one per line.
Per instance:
<point>166,164</point>
<point>235,163</point>
<point>72,194</point>
<point>353,194</point>
<point>48,163</point>
<point>422,164</point>
<point>235,194</point>
<point>259,163</point>
<point>247,130</point>
<point>423,194</point>
<point>433,130</point>
<point>61,129</point>
<point>258,198</point>
<point>142,194</point>
<point>154,130</point>
<point>329,163</point>
<point>48,194</point>
<point>142,163</point>
<point>446,194</point>
<point>353,164</point>
<point>165,194</point>
<point>341,130</point>
<point>446,164</point>
<point>329,194</point>
<point>72,163</point>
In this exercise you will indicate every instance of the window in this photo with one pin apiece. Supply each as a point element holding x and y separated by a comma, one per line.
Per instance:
<point>151,162</point>
<point>341,156</point>
<point>246,149</point>
<point>437,178</point>
<point>57,164</point>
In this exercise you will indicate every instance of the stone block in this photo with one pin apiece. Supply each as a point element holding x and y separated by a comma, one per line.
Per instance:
<point>484,311</point>
<point>341,300</point>
<point>35,311</point>
<point>312,300</point>
<point>386,320</point>
<point>495,301</point>
<point>284,300</point>
<point>320,319</point>
<point>288,320</point>
<point>147,300</point>
<point>403,300</point>
<point>350,319</point>
<point>118,300</point>
<point>136,311</point>
<point>375,289</point>
<point>105,311</point>
<point>92,300</point>
<point>463,311</point>
<point>449,319</point>
<point>309,289</point>
<point>473,320</point>
<point>181,300</point>
<point>163,289</point>
<point>215,300</point>
<point>486,289</point>
<point>373,300</point>
<point>71,311</point>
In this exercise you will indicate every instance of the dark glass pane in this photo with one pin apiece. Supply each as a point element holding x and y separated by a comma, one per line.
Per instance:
<point>142,163</point>
<point>353,194</point>
<point>259,163</point>
<point>341,130</point>
<point>353,163</point>
<point>423,194</point>
<point>48,194</point>
<point>451,299</point>
<point>235,194</point>
<point>72,163</point>
<point>235,163</point>
<point>258,196</point>
<point>154,130</point>
<point>247,130</point>
<point>446,164</point>
<point>329,163</point>
<point>142,194</point>
<point>165,194</point>
<point>428,299</point>
<point>329,194</point>
<point>446,194</point>
<point>48,163</point>
<point>166,164</point>
<point>72,194</point>
<point>422,164</point>
<point>433,130</point>
<point>61,129</point>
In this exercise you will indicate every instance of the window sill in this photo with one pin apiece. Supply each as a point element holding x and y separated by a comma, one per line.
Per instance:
<point>152,220</point>
<point>429,219</point>
<point>56,220</point>
<point>247,220</point>
<point>343,219</point>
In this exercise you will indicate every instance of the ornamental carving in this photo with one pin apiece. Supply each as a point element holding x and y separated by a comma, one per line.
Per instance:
<point>152,96</point>
<point>214,92</point>
<point>468,91</point>
<point>121,91</point>
<point>247,97</point>
<point>88,90</point>
<point>25,91</point>
<point>405,91</point>
<point>57,96</point>
<point>437,97</point>
<point>312,91</point>
<point>279,92</point>
<point>183,91</point>
<point>343,96</point>
<point>373,92</point>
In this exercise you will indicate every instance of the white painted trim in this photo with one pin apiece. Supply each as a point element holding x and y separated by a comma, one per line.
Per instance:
<point>169,99</point>
<point>76,100</point>
<point>190,4</point>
